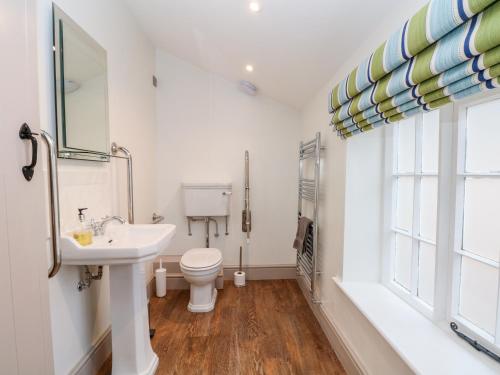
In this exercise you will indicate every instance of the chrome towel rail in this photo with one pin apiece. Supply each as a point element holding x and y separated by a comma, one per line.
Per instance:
<point>54,203</point>
<point>308,190</point>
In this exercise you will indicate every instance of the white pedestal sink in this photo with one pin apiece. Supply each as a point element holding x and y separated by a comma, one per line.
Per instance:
<point>125,248</point>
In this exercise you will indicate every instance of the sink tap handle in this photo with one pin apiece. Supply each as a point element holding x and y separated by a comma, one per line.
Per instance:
<point>94,226</point>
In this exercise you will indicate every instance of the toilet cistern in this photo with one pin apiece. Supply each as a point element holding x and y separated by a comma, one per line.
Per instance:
<point>205,202</point>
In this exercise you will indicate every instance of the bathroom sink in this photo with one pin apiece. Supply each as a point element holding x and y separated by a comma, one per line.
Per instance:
<point>122,244</point>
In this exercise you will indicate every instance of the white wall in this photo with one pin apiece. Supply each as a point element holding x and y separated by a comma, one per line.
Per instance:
<point>344,239</point>
<point>80,319</point>
<point>363,207</point>
<point>204,126</point>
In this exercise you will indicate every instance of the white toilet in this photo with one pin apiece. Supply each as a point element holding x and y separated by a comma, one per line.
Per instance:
<point>200,268</point>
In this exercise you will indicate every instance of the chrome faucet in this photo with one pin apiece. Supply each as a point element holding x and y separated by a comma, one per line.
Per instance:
<point>99,227</point>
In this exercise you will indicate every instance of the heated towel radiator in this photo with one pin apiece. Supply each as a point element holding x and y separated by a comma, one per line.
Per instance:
<point>309,164</point>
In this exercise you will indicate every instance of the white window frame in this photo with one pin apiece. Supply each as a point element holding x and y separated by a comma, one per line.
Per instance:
<point>458,178</point>
<point>451,182</point>
<point>390,192</point>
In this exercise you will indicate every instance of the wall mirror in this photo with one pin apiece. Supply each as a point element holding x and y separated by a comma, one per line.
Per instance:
<point>81,89</point>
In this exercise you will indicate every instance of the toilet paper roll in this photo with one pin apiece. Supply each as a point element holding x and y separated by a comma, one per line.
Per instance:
<point>161,282</point>
<point>239,279</point>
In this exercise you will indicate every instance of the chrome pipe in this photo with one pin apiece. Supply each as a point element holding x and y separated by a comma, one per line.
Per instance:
<point>307,198</point>
<point>308,156</point>
<point>130,179</point>
<point>307,190</point>
<point>216,234</point>
<point>307,194</point>
<point>54,203</point>
<point>316,219</point>
<point>299,209</point>
<point>307,187</point>
<point>303,145</point>
<point>308,148</point>
<point>207,232</point>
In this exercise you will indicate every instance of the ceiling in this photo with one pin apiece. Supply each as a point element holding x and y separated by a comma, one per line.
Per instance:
<point>295,46</point>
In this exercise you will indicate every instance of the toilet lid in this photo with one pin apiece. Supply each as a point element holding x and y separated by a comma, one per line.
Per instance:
<point>201,258</point>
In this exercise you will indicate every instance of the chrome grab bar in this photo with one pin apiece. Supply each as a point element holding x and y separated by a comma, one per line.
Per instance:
<point>54,203</point>
<point>247,215</point>
<point>130,179</point>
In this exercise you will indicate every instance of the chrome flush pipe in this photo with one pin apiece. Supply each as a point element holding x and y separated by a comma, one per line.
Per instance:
<point>130,179</point>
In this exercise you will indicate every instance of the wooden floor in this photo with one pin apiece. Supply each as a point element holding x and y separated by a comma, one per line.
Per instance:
<point>263,328</point>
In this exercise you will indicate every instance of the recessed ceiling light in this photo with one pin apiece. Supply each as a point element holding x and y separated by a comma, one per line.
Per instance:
<point>249,68</point>
<point>254,6</point>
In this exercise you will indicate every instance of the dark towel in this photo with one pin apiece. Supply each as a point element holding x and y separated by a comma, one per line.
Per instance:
<point>300,237</point>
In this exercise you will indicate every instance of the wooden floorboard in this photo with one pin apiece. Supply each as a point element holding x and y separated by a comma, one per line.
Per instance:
<point>263,328</point>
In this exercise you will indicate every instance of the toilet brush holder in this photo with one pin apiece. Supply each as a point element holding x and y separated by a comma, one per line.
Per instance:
<point>161,282</point>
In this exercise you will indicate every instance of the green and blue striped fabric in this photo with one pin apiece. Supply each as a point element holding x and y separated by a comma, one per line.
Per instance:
<point>454,88</point>
<point>474,90</point>
<point>476,66</point>
<point>449,46</point>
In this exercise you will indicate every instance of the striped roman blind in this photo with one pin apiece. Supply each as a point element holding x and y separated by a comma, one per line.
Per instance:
<point>448,51</point>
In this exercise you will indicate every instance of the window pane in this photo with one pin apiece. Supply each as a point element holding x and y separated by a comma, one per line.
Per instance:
<point>428,207</point>
<point>481,233</point>
<point>430,142</point>
<point>402,261</point>
<point>478,294</point>
<point>404,210</point>
<point>406,146</point>
<point>483,136</point>
<point>426,273</point>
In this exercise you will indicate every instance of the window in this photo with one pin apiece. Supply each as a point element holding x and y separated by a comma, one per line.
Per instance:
<point>442,249</point>
<point>414,189</point>
<point>476,246</point>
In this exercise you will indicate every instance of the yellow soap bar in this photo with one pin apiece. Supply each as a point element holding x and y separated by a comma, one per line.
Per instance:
<point>83,238</point>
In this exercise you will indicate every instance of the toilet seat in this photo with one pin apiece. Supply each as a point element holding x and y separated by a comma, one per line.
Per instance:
<point>201,259</point>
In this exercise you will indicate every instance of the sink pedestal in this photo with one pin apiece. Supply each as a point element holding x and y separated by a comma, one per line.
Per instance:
<point>132,352</point>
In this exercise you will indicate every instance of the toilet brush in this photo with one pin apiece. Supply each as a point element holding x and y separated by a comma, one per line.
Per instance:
<point>161,281</point>
<point>239,276</point>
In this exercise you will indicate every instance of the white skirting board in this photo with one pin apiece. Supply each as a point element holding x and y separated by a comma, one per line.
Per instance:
<point>348,358</point>
<point>175,279</point>
<point>275,272</point>
<point>95,357</point>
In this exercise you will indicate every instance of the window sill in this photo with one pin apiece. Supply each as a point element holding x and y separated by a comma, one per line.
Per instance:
<point>423,346</point>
